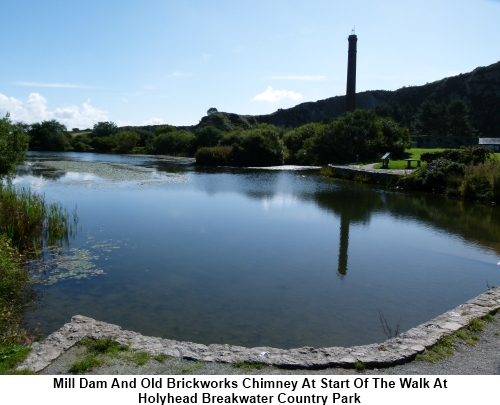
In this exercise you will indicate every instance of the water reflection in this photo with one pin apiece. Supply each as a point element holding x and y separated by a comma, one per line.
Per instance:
<point>268,258</point>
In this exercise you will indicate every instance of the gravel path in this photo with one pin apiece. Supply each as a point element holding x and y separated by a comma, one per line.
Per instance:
<point>482,358</point>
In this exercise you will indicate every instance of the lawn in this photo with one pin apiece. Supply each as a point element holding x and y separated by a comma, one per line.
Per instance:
<point>413,153</point>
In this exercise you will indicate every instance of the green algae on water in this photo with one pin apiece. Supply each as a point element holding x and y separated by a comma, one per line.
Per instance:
<point>113,172</point>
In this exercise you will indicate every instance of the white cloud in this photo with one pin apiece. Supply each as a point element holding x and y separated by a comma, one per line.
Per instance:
<point>206,56</point>
<point>121,123</point>
<point>305,77</point>
<point>35,110</point>
<point>153,121</point>
<point>57,85</point>
<point>276,95</point>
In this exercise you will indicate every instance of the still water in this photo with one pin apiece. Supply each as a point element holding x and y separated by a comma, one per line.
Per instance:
<point>254,257</point>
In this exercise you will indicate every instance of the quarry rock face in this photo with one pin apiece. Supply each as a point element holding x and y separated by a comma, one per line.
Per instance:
<point>479,89</point>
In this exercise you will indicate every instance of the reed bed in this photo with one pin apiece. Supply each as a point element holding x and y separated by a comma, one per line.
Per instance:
<point>29,226</point>
<point>30,223</point>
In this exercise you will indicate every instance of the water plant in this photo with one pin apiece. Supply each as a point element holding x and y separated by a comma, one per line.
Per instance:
<point>31,223</point>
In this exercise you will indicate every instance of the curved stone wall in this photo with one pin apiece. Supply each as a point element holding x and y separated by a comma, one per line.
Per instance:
<point>393,351</point>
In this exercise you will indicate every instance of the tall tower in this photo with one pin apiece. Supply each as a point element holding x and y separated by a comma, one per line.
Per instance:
<point>351,73</point>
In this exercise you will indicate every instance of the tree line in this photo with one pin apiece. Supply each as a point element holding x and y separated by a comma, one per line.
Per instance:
<point>431,118</point>
<point>360,135</point>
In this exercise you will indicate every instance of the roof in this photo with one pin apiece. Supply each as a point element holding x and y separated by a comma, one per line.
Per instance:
<point>489,141</point>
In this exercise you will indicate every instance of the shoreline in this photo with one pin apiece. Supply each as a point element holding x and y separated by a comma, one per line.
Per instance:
<point>392,352</point>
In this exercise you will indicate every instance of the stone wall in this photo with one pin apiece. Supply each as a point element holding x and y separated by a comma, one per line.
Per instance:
<point>393,351</point>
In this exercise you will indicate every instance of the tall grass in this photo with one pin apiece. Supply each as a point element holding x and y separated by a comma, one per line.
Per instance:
<point>482,182</point>
<point>214,156</point>
<point>30,223</point>
<point>28,227</point>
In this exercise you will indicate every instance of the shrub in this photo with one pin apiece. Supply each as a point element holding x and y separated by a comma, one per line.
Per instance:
<point>482,182</point>
<point>466,155</point>
<point>435,176</point>
<point>104,145</point>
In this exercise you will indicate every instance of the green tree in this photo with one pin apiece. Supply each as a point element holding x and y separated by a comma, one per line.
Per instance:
<point>104,129</point>
<point>359,133</point>
<point>432,119</point>
<point>126,141</point>
<point>207,136</point>
<point>49,136</point>
<point>458,119</point>
<point>294,140</point>
<point>105,144</point>
<point>165,129</point>
<point>211,111</point>
<point>13,145</point>
<point>173,143</point>
<point>261,145</point>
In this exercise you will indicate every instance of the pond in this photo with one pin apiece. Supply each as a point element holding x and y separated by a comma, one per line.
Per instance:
<point>252,257</point>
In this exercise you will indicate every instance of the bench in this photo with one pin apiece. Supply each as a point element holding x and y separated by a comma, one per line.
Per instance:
<point>413,160</point>
<point>385,159</point>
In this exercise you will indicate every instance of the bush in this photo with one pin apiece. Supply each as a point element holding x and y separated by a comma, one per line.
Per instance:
<point>81,147</point>
<point>104,145</point>
<point>467,155</point>
<point>435,176</point>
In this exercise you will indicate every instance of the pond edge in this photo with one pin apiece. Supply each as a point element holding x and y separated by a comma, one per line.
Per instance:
<point>389,353</point>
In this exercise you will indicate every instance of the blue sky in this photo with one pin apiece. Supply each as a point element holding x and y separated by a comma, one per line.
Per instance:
<point>152,61</point>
